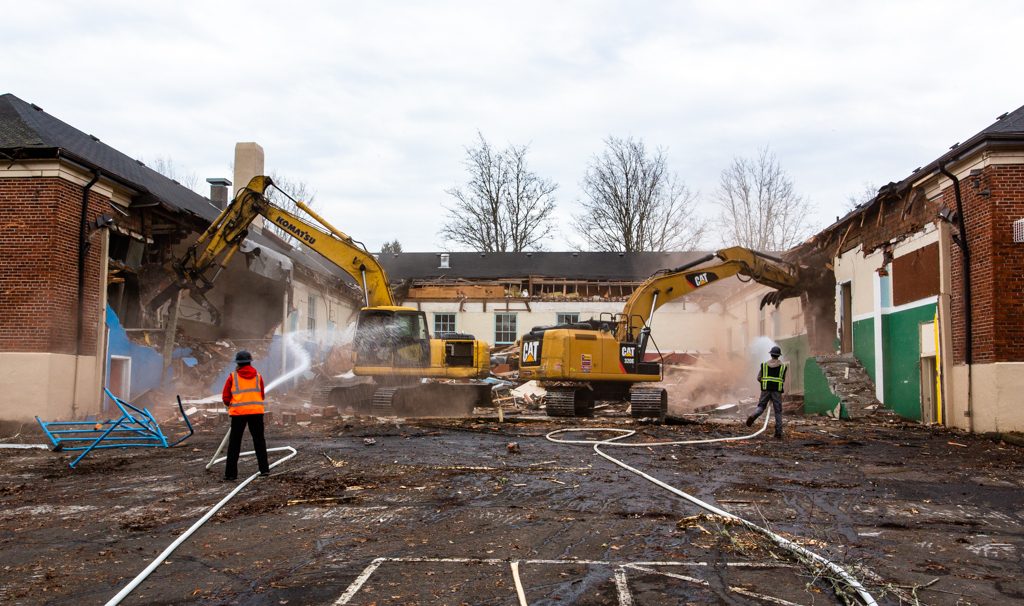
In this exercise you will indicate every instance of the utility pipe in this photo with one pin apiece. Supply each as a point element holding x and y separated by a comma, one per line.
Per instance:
<point>192,529</point>
<point>965,263</point>
<point>83,250</point>
<point>781,541</point>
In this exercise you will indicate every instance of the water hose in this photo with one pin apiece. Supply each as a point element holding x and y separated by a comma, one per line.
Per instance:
<point>198,524</point>
<point>784,543</point>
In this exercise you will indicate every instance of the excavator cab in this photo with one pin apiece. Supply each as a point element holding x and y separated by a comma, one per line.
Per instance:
<point>393,337</point>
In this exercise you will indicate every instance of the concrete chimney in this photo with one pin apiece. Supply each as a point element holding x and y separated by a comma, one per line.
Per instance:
<point>219,191</point>
<point>248,164</point>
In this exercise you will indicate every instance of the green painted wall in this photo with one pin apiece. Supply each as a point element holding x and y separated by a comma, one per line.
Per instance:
<point>795,351</point>
<point>901,352</point>
<point>818,398</point>
<point>864,344</point>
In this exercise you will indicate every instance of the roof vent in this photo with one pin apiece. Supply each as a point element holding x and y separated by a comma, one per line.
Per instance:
<point>36,107</point>
<point>575,254</point>
<point>955,145</point>
<point>622,254</point>
<point>529,254</point>
<point>1003,116</point>
<point>445,264</point>
<point>94,138</point>
<point>1018,231</point>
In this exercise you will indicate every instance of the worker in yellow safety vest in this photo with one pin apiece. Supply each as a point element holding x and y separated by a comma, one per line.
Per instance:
<point>244,396</point>
<point>771,378</point>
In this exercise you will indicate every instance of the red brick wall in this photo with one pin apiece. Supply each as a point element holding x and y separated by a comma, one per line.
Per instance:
<point>39,222</point>
<point>997,266</point>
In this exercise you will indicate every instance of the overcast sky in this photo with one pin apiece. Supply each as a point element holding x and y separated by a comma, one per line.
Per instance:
<point>373,103</point>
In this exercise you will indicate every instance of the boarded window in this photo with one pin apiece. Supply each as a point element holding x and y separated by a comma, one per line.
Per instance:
<point>915,275</point>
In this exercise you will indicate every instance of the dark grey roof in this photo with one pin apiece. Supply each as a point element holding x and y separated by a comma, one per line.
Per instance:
<point>26,127</point>
<point>628,267</point>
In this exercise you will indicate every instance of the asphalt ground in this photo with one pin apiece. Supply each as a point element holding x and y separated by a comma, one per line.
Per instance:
<point>443,511</point>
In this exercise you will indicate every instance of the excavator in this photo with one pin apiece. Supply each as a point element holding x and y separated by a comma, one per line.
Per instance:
<point>412,373</point>
<point>604,357</point>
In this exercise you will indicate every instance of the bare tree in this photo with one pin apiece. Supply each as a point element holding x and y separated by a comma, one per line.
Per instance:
<point>633,203</point>
<point>165,166</point>
<point>297,189</point>
<point>868,192</point>
<point>758,206</point>
<point>390,248</point>
<point>504,206</point>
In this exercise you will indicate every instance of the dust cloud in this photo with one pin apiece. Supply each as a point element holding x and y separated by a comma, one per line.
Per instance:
<point>716,379</point>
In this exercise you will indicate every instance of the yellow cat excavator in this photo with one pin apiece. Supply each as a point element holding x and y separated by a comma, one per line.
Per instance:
<point>604,358</point>
<point>392,343</point>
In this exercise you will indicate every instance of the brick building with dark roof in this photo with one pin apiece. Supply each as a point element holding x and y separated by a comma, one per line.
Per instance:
<point>87,226</point>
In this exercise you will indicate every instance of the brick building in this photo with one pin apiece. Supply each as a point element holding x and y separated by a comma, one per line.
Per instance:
<point>901,297</point>
<point>86,230</point>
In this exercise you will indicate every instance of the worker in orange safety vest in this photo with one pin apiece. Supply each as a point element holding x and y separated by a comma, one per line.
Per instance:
<point>244,396</point>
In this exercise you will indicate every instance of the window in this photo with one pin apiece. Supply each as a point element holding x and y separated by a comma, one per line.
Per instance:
<point>567,318</point>
<point>444,323</point>
<point>311,314</point>
<point>504,328</point>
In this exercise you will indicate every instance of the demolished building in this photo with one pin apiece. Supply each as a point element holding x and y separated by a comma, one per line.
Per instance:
<point>87,233</point>
<point>928,284</point>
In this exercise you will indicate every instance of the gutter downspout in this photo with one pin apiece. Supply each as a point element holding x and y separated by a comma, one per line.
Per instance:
<point>83,250</point>
<point>965,258</point>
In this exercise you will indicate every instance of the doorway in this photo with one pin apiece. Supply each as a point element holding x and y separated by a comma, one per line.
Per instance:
<point>846,317</point>
<point>928,391</point>
<point>120,380</point>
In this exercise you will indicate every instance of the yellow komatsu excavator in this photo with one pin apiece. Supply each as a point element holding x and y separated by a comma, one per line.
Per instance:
<point>392,343</point>
<point>605,357</point>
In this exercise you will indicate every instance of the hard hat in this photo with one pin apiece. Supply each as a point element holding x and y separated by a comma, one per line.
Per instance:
<point>243,357</point>
<point>775,351</point>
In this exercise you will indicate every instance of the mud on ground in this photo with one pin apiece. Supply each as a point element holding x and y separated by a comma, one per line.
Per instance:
<point>435,511</point>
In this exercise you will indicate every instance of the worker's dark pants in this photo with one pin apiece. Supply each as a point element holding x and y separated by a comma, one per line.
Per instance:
<point>775,397</point>
<point>238,423</point>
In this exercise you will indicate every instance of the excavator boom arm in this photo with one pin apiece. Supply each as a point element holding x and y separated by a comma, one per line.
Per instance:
<point>671,284</point>
<point>204,260</point>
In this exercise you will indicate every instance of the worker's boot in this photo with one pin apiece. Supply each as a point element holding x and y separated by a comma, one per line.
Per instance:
<point>750,420</point>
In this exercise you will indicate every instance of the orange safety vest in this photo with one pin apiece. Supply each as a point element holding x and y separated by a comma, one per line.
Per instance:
<point>245,395</point>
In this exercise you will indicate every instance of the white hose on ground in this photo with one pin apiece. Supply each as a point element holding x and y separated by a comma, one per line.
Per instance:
<point>43,446</point>
<point>209,514</point>
<point>779,540</point>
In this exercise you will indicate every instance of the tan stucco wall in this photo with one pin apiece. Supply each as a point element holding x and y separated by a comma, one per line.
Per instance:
<point>676,326</point>
<point>43,384</point>
<point>996,398</point>
<point>853,266</point>
<point>328,309</point>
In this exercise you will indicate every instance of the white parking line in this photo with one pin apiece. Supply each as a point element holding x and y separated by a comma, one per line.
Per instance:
<point>625,597</point>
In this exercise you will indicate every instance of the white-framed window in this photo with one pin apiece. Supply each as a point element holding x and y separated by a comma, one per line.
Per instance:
<point>444,322</point>
<point>567,318</point>
<point>504,328</point>
<point>311,314</point>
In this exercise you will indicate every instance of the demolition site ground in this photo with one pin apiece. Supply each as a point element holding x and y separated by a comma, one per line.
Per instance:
<point>448,511</point>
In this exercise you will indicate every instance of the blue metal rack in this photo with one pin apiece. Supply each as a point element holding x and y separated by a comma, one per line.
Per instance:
<point>135,429</point>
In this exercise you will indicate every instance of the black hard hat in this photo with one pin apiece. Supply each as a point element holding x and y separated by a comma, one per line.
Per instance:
<point>775,351</point>
<point>243,357</point>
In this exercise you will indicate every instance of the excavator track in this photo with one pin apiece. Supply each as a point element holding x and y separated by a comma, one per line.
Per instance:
<point>383,402</point>
<point>648,402</point>
<point>569,401</point>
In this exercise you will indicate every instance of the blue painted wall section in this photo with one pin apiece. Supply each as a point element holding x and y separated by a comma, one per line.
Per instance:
<point>147,363</point>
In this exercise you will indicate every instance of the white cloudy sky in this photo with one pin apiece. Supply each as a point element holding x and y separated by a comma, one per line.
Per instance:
<point>372,103</point>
